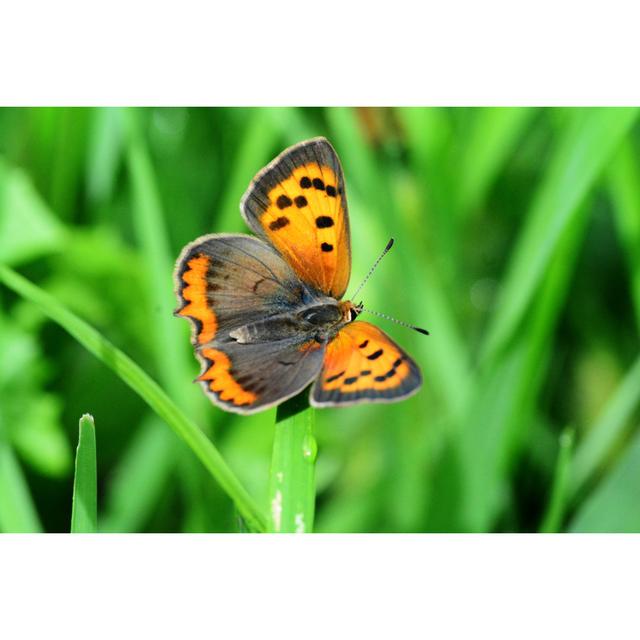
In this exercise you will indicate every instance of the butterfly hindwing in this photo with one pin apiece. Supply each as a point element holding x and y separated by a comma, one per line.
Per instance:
<point>298,203</point>
<point>363,364</point>
<point>251,377</point>
<point>225,282</point>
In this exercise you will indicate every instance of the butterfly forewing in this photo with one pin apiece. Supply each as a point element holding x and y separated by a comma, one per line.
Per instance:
<point>362,363</point>
<point>298,202</point>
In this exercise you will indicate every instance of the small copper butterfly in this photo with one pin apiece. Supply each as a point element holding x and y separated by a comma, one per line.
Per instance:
<point>266,311</point>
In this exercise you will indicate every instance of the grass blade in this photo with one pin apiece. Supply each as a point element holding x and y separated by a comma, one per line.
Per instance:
<point>146,464</point>
<point>491,141</point>
<point>587,144</point>
<point>17,511</point>
<point>292,474</point>
<point>624,182</point>
<point>552,520</point>
<point>145,387</point>
<point>84,512</point>
<point>151,236</point>
<point>257,143</point>
<point>605,434</point>
<point>505,394</point>
<point>615,505</point>
<point>170,352</point>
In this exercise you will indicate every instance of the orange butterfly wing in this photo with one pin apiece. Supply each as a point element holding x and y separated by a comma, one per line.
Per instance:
<point>363,364</point>
<point>298,203</point>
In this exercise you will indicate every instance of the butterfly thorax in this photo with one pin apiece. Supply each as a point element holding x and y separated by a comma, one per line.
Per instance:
<point>319,320</point>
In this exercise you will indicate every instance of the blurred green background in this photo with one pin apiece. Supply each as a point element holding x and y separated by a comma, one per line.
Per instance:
<point>518,247</point>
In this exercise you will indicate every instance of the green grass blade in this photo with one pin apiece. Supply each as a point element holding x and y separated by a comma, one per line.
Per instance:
<point>151,236</point>
<point>145,387</point>
<point>552,521</point>
<point>615,505</point>
<point>490,142</point>
<point>586,145</point>
<point>624,183</point>
<point>146,464</point>
<point>505,395</point>
<point>17,511</point>
<point>173,360</point>
<point>84,512</point>
<point>258,140</point>
<point>605,434</point>
<point>292,474</point>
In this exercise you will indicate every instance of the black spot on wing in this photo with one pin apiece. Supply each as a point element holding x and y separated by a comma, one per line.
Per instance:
<point>279,223</point>
<point>385,376</point>
<point>375,355</point>
<point>283,202</point>
<point>318,184</point>
<point>324,222</point>
<point>326,247</point>
<point>300,201</point>
<point>305,182</point>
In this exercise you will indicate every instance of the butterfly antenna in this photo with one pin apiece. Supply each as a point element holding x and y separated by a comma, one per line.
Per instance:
<point>400,322</point>
<point>373,268</point>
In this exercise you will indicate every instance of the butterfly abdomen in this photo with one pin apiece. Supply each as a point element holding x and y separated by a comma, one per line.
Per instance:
<point>269,330</point>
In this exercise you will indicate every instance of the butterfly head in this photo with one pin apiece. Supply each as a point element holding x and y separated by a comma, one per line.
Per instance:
<point>350,311</point>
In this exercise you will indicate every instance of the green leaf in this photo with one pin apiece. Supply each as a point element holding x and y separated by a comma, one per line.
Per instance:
<point>292,474</point>
<point>585,147</point>
<point>84,512</point>
<point>145,387</point>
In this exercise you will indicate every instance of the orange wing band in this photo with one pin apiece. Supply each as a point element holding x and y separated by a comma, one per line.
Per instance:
<point>220,380</point>
<point>195,295</point>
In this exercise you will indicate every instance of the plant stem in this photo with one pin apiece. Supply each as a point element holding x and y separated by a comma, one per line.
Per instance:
<point>292,476</point>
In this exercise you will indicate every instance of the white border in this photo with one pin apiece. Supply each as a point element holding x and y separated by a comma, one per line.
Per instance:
<point>290,53</point>
<point>395,586</point>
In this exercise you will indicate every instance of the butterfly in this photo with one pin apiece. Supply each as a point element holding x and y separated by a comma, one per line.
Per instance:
<point>266,311</point>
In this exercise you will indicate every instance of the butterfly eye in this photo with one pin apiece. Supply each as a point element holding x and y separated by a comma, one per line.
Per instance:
<point>354,312</point>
